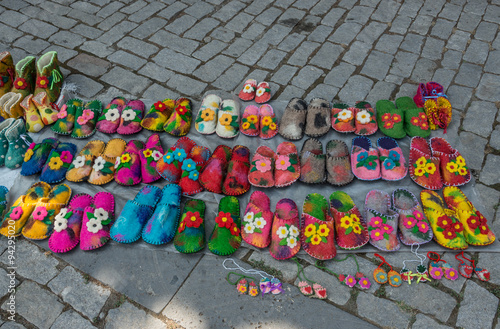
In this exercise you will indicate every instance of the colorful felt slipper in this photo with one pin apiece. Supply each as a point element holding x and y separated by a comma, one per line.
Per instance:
<point>206,120</point>
<point>68,223</point>
<point>96,221</point>
<point>3,201</point>
<point>225,238</point>
<point>212,175</point>
<point>46,108</point>
<point>257,221</point>
<point>343,118</point>
<point>158,114</point>
<point>236,181</point>
<point>229,118</point>
<point>152,152</point>
<point>250,122</point>
<point>128,227</point>
<point>317,236</point>
<point>262,167</point>
<point>447,228</point>
<point>128,168</point>
<point>414,228</point>
<point>285,232</point>
<point>103,170</point>
<point>57,164</point>
<point>312,162</point>
<point>476,229</point>
<point>454,170</point>
<point>110,118</point>
<point>287,166</point>
<point>190,236</point>
<point>424,167</point>
<point>170,165</point>
<point>293,121</point>
<point>4,143</point>
<point>390,119</point>
<point>268,124</point>
<point>40,224</point>
<point>350,227</point>
<point>34,122</point>
<point>263,92</point>
<point>162,225</point>
<point>66,117</point>
<point>415,119</point>
<point>20,211</point>
<point>130,120</point>
<point>179,122</point>
<point>36,156</point>
<point>365,162</point>
<point>191,167</point>
<point>338,163</point>
<point>86,118</point>
<point>366,124</point>
<point>382,221</point>
<point>392,161</point>
<point>318,119</point>
<point>18,142</point>
<point>247,93</point>
<point>81,167</point>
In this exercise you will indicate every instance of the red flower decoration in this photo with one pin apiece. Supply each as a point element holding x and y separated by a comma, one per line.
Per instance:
<point>1,82</point>
<point>449,233</point>
<point>396,118</point>
<point>444,222</point>
<point>182,226</point>
<point>224,219</point>
<point>483,228</point>
<point>473,222</point>
<point>388,124</point>
<point>160,106</point>
<point>386,117</point>
<point>235,230</point>
<point>181,109</point>
<point>424,125</point>
<point>458,227</point>
<point>20,83</point>
<point>192,219</point>
<point>42,82</point>
<point>423,116</point>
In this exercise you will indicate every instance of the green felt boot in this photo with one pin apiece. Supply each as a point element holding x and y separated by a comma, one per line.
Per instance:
<point>48,76</point>
<point>190,236</point>
<point>19,141</point>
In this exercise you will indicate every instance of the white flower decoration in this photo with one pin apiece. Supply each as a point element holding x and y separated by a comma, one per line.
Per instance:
<point>94,225</point>
<point>101,214</point>
<point>117,162</point>
<point>363,116</point>
<point>248,89</point>
<point>282,232</point>
<point>249,217</point>
<point>60,216</point>
<point>79,161</point>
<point>345,114</point>
<point>60,224</point>
<point>260,92</point>
<point>291,242</point>
<point>112,114</point>
<point>128,115</point>
<point>249,228</point>
<point>294,231</point>
<point>99,164</point>
<point>157,155</point>
<point>260,222</point>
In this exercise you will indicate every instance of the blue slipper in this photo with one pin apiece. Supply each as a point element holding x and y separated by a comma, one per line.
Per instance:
<point>35,159</point>
<point>58,163</point>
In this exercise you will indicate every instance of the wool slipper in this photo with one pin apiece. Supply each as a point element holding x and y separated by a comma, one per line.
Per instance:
<point>45,108</point>
<point>59,161</point>
<point>68,223</point>
<point>438,112</point>
<point>268,123</point>
<point>338,163</point>
<point>447,228</point>
<point>415,119</point>
<point>128,226</point>
<point>350,227</point>
<point>454,170</point>
<point>390,119</point>
<point>250,121</point>
<point>18,142</point>
<point>318,121</point>
<point>170,165</point>
<point>128,169</point>
<point>392,161</point>
<point>414,228</point>
<point>214,171</point>
<point>312,162</point>
<point>285,232</point>
<point>81,167</point>
<point>162,225</point>
<point>103,170</point>
<point>4,143</point>
<point>3,201</point>
<point>229,118</point>
<point>96,221</point>
<point>476,229</point>
<point>206,119</point>
<point>158,114</point>
<point>130,120</point>
<point>424,167</point>
<point>317,236</point>
<point>190,236</point>
<point>262,167</point>
<point>179,122</point>
<point>365,162</point>
<point>86,118</point>
<point>34,122</point>
<point>66,117</point>
<point>152,152</point>
<point>366,124</point>
<point>10,103</point>
<point>36,156</point>
<point>293,121</point>
<point>287,166</point>
<point>382,221</point>
<point>225,238</point>
<point>247,93</point>
<point>191,167</point>
<point>343,118</point>
<point>110,118</point>
<point>263,93</point>
<point>40,224</point>
<point>236,181</point>
<point>257,221</point>
<point>20,211</point>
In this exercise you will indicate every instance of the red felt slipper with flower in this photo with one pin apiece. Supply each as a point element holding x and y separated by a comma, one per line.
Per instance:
<point>366,124</point>
<point>257,221</point>
<point>268,124</point>
<point>169,166</point>
<point>214,171</point>
<point>262,167</point>
<point>263,93</point>
<point>191,167</point>
<point>424,166</point>
<point>454,170</point>
<point>236,181</point>
<point>247,93</point>
<point>343,118</point>
<point>287,166</point>
<point>151,153</point>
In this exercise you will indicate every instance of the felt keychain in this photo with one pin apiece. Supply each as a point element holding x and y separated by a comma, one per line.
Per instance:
<point>349,280</point>
<point>380,276</point>
<point>316,291</point>
<point>467,270</point>
<point>242,285</point>
<point>437,271</point>
<point>268,283</point>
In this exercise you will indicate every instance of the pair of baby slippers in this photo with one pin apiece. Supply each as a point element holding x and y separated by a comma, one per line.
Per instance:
<point>259,121</point>
<point>402,119</point>
<point>359,119</point>
<point>172,116</point>
<point>121,116</point>
<point>261,92</point>
<point>77,119</point>
<point>218,116</point>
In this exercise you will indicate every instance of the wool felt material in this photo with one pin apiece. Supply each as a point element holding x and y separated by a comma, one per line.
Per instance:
<point>95,234</point>
<point>3,201</point>
<point>44,107</point>
<point>66,116</point>
<point>206,119</point>
<point>236,181</point>
<point>86,118</point>
<point>268,122</point>
<point>454,169</point>
<point>6,72</point>
<point>109,120</point>
<point>214,171</point>
<point>49,78</point>
<point>392,161</point>
<point>262,167</point>
<point>430,90</point>
<point>81,166</point>
<point>228,119</point>
<point>149,155</point>
<point>36,156</point>
<point>263,93</point>
<point>58,163</point>
<point>247,93</point>
<point>226,238</point>
<point>438,112</point>
<point>424,167</point>
<point>10,105</point>
<point>257,221</point>
<point>34,122</point>
<point>343,118</point>
<point>312,162</point>
<point>131,117</point>
<point>415,119</point>
<point>293,121</point>
<point>190,236</point>
<point>366,123</point>
<point>179,123</point>
<point>287,166</point>
<point>365,162</point>
<point>128,171</point>
<point>390,119</point>
<point>24,83</point>
<point>158,114</point>
<point>191,167</point>
<point>285,240</point>
<point>4,143</point>
<point>318,119</point>
<point>170,165</point>
<point>103,170</point>
<point>18,142</point>
<point>338,163</point>
<point>382,221</point>
<point>250,121</point>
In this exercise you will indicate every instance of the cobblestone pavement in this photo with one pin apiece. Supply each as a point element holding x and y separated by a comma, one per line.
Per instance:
<point>348,50</point>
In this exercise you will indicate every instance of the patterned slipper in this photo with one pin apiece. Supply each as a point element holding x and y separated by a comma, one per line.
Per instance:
<point>34,122</point>
<point>45,108</point>
<point>190,236</point>
<point>128,170</point>
<point>225,238</point>
<point>152,152</point>
<point>454,170</point>
<point>390,119</point>
<point>392,161</point>
<point>3,201</point>
<point>465,270</point>
<point>4,143</point>
<point>96,221</point>
<point>366,124</point>
<point>110,119</point>
<point>66,116</point>
<point>338,163</point>
<point>318,121</point>
<point>81,167</point>
<point>257,222</point>
<point>424,167</point>
<point>179,122</point>
<point>382,221</point>
<point>343,118</point>
<point>158,114</point>
<point>236,181</point>
<point>103,170</point>
<point>59,161</point>
<point>191,167</point>
<point>18,143</point>
<point>312,162</point>
<point>206,120</point>
<point>262,167</point>
<point>287,166</point>
<point>268,124</point>
<point>293,120</point>
<point>263,93</point>
<point>415,119</point>
<point>365,162</point>
<point>170,165</point>
<point>247,93</point>
<point>36,156</point>
<point>250,122</point>
<point>86,119</point>
<point>212,175</point>
<point>285,232</point>
<point>130,120</point>
<point>229,118</point>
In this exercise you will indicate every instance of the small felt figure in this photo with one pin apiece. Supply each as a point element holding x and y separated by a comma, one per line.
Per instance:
<point>466,270</point>
<point>380,276</point>
<point>304,284</point>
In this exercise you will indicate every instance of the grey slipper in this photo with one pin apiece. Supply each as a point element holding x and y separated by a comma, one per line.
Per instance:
<point>293,120</point>
<point>338,163</point>
<point>312,162</point>
<point>318,121</point>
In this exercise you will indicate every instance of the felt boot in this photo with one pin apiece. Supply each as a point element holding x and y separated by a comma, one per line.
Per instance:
<point>49,78</point>
<point>19,142</point>
<point>6,72</point>
<point>24,82</point>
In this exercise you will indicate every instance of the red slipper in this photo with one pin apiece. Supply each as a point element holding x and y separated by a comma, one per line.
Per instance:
<point>247,93</point>
<point>191,167</point>
<point>236,182</point>
<point>263,93</point>
<point>212,175</point>
<point>454,170</point>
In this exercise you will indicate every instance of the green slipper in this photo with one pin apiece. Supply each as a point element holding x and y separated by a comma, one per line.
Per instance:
<point>415,121</point>
<point>390,119</point>
<point>226,238</point>
<point>190,236</point>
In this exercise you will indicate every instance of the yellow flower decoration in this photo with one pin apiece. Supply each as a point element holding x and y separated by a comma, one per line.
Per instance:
<point>430,168</point>
<point>125,158</point>
<point>420,171</point>
<point>28,155</point>
<point>226,119</point>
<point>460,161</point>
<point>323,230</point>
<point>147,153</point>
<point>266,121</point>
<point>55,163</point>
<point>355,218</point>
<point>346,222</point>
<point>316,239</point>
<point>310,230</point>
<point>245,125</point>
<point>421,162</point>
<point>207,114</point>
<point>272,126</point>
<point>252,119</point>
<point>451,167</point>
<point>462,171</point>
<point>356,228</point>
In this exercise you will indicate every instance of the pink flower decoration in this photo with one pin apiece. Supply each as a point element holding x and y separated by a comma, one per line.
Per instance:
<point>350,281</point>
<point>263,165</point>
<point>423,227</point>
<point>282,163</point>
<point>66,157</point>
<point>377,234</point>
<point>16,213</point>
<point>409,222</point>
<point>62,114</point>
<point>451,273</point>
<point>436,273</point>
<point>40,213</point>
<point>81,120</point>
<point>387,229</point>
<point>418,215</point>
<point>32,146</point>
<point>364,283</point>
<point>376,222</point>
<point>88,114</point>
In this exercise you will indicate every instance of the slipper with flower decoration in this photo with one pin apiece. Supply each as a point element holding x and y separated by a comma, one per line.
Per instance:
<point>18,141</point>
<point>392,161</point>
<point>49,78</point>
<point>131,117</point>
<point>206,119</point>
<point>103,169</point>
<point>415,120</point>
<point>287,166</point>
<point>257,221</point>
<point>236,181</point>
<point>214,171</point>
<point>382,221</point>
<point>225,238</point>
<point>424,167</point>
<point>247,93</point>
<point>170,165</point>
<point>109,120</point>
<point>158,114</point>
<point>293,120</point>
<point>343,118</point>
<point>366,123</point>
<point>36,156</point>
<point>97,219</point>
<point>190,235</point>
<point>58,162</point>
<point>285,240</point>
<point>86,118</point>
<point>128,169</point>
<point>268,122</point>
<point>365,162</point>
<point>381,277</point>
<point>67,116</point>
<point>312,162</point>
<point>228,120</point>
<point>24,83</point>
<point>191,167</point>
<point>454,169</point>
<point>34,122</point>
<point>149,155</point>
<point>263,93</point>
<point>338,163</point>
<point>437,271</point>
<point>179,123</point>
<point>262,167</point>
<point>81,167</point>
<point>250,121</point>
<point>390,119</point>
<point>318,120</point>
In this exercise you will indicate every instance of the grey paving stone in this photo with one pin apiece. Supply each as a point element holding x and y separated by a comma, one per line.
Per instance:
<point>269,16</point>
<point>333,17</point>
<point>460,95</point>
<point>13,18</point>
<point>347,3</point>
<point>444,77</point>
<point>174,42</point>
<point>9,34</point>
<point>412,43</point>
<point>172,9</point>
<point>84,17</point>
<point>442,29</point>
<point>239,22</point>
<point>490,198</point>
<point>426,322</point>
<point>451,59</point>
<point>111,21</point>
<point>389,43</point>
<point>117,32</point>
<point>291,42</point>
<point>71,319</point>
<point>186,85</point>
<point>31,45</point>
<point>229,10</point>
<point>181,24</point>
<point>424,70</point>
<point>306,77</point>
<point>134,7</point>
<point>369,3</point>
<point>391,78</point>
<point>291,17</point>
<point>489,261</point>
<point>480,118</point>
<point>110,9</point>
<point>386,11</point>
<point>237,47</point>
<point>320,33</point>
<point>201,29</point>
<point>223,34</point>
<point>489,88</point>
<point>153,71</point>
<point>377,65</point>
<point>276,34</point>
<point>410,8</point>
<point>321,7</point>
<point>256,7</point>
<point>345,33</point>
<point>56,8</point>
<point>381,90</point>
<point>305,4</point>
<point>8,281</point>
<point>254,53</point>
<point>199,9</point>
<point>253,32</point>
<point>365,303</point>
<point>495,138</point>
<point>87,31</point>
<point>359,14</point>
<point>323,91</point>
<point>477,52</point>
<point>287,268</point>
<point>492,14</point>
<point>209,50</point>
<point>433,48</point>
<point>176,61</point>
<point>231,78</point>
<point>148,27</point>
<point>67,39</point>
<point>85,86</point>
<point>458,40</point>
<point>272,59</point>
<point>432,7</point>
<point>468,21</point>
<point>469,75</point>
<point>421,24</point>
<point>214,68</point>
<point>126,80</point>
<point>357,53</point>
<point>486,31</point>
<point>400,24</point>
<point>327,55</point>
<point>478,7</point>
<point>38,28</point>
<point>473,146</point>
<point>96,48</point>
<point>128,60</point>
<point>85,7</point>
<point>284,74</point>
<point>156,92</point>
<point>138,47</point>
<point>12,325</point>
<point>451,12</point>
<point>371,32</point>
<point>470,307</point>
<point>357,88</point>
<point>133,317</point>
<point>301,56</point>
<point>146,12</point>
<point>89,65</point>
<point>489,174</point>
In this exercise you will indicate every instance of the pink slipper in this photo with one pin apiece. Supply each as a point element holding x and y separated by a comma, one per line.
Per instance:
<point>365,163</point>
<point>257,222</point>
<point>110,118</point>
<point>97,221</point>
<point>285,232</point>
<point>151,153</point>
<point>236,182</point>
<point>268,124</point>
<point>263,93</point>
<point>247,93</point>
<point>212,175</point>
<point>130,121</point>
<point>287,166</point>
<point>249,124</point>
<point>392,161</point>
<point>128,168</point>
<point>262,167</point>
<point>366,121</point>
